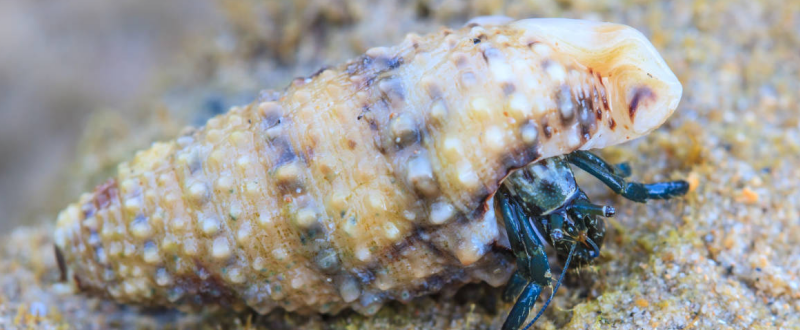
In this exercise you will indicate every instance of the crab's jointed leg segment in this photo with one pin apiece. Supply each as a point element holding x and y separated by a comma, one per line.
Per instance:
<point>525,301</point>
<point>587,208</point>
<point>637,192</point>
<point>514,287</point>
<point>532,266</point>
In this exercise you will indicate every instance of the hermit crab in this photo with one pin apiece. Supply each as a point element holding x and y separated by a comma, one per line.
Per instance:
<point>412,169</point>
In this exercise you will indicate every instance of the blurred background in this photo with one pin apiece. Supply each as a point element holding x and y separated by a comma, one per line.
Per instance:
<point>86,83</point>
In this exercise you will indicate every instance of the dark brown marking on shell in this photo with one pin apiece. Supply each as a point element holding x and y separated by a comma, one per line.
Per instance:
<point>602,89</point>
<point>638,94</point>
<point>369,82</point>
<point>587,117</point>
<point>318,72</point>
<point>534,154</point>
<point>404,130</point>
<point>478,203</point>
<point>598,108</point>
<point>271,119</point>
<point>373,124</point>
<point>364,110</point>
<point>351,144</point>
<point>546,129</point>
<point>367,115</point>
<point>392,90</point>
<point>104,194</point>
<point>283,148</point>
<point>585,133</point>
<point>393,251</point>
<point>520,157</point>
<point>360,64</point>
<point>62,264</point>
<point>612,124</point>
<point>201,291</point>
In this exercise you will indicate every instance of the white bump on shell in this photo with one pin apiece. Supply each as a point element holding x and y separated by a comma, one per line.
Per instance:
<point>220,249</point>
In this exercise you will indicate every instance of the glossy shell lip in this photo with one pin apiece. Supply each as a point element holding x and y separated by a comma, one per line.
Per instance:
<point>643,90</point>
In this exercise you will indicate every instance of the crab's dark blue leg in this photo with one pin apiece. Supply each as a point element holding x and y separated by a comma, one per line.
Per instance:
<point>634,191</point>
<point>557,225</point>
<point>514,287</point>
<point>584,207</point>
<point>532,266</point>
<point>522,308</point>
<point>623,169</point>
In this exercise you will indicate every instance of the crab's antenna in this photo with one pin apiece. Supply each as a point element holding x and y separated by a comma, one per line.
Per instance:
<point>563,272</point>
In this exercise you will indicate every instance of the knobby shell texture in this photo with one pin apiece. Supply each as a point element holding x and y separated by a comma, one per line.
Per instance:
<point>365,182</point>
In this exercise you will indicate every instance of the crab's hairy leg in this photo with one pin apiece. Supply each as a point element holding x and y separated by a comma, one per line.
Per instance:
<point>532,265</point>
<point>634,191</point>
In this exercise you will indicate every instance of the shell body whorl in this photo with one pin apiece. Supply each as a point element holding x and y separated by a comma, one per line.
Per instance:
<point>368,181</point>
